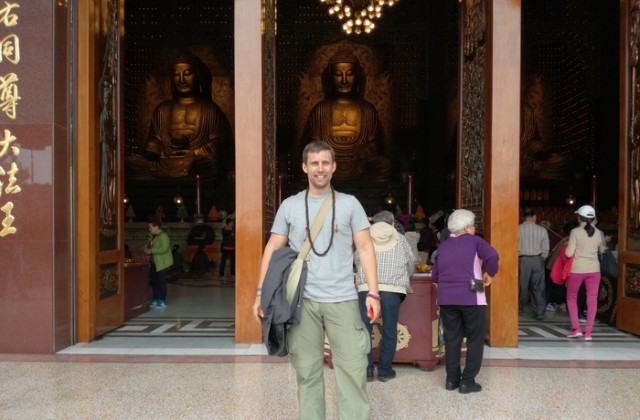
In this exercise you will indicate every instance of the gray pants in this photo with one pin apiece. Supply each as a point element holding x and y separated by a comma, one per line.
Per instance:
<point>531,278</point>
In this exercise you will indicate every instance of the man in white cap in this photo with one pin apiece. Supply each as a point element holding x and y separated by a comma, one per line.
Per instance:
<point>395,266</point>
<point>533,249</point>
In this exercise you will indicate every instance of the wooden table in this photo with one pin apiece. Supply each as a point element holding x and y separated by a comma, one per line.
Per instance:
<point>417,327</point>
<point>137,293</point>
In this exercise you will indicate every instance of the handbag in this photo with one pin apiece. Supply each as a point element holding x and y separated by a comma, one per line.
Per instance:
<point>477,285</point>
<point>608,264</point>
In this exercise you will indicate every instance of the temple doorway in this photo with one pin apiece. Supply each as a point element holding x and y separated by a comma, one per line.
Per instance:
<point>557,175</point>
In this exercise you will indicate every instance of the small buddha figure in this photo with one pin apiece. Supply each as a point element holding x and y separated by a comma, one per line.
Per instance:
<point>189,133</point>
<point>348,122</point>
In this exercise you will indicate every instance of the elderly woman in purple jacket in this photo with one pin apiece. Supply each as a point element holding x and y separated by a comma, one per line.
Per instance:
<point>460,260</point>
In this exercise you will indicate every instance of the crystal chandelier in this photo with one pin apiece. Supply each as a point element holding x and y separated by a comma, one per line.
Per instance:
<point>357,15</point>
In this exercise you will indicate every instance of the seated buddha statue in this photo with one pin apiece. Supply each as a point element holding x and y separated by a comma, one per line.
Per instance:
<point>188,134</point>
<point>348,122</point>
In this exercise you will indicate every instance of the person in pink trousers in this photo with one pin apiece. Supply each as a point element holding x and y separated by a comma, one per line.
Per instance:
<point>585,241</point>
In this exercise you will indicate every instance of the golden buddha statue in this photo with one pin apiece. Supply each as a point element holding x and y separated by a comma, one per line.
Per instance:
<point>188,134</point>
<point>348,122</point>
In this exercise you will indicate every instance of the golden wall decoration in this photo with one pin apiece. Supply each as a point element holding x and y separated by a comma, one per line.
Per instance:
<point>108,280</point>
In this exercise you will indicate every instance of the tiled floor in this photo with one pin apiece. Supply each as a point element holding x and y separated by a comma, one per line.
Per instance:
<point>181,362</point>
<point>198,321</point>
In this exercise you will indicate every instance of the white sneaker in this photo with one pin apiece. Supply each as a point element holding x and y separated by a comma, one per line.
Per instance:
<point>551,307</point>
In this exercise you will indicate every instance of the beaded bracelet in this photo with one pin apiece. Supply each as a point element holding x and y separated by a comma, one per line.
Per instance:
<point>374,295</point>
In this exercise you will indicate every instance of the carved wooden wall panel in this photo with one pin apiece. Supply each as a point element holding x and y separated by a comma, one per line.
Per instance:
<point>108,137</point>
<point>269,117</point>
<point>472,138</point>
<point>633,227</point>
<point>627,315</point>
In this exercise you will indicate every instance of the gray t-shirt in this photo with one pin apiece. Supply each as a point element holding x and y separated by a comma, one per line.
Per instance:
<point>329,278</point>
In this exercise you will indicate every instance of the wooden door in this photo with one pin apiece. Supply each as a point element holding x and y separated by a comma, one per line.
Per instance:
<point>628,300</point>
<point>99,175</point>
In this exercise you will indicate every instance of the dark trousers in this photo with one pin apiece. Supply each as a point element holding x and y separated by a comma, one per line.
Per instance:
<point>389,311</point>
<point>555,293</point>
<point>531,278</point>
<point>226,254</point>
<point>158,282</point>
<point>459,321</point>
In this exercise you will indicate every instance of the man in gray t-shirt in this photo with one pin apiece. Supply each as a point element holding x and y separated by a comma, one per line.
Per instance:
<point>330,301</point>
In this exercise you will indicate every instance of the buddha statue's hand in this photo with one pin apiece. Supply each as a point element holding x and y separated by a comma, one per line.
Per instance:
<point>181,153</point>
<point>182,143</point>
<point>153,160</point>
<point>153,165</point>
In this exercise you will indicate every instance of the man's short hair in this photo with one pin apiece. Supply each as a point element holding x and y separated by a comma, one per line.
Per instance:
<point>317,146</point>
<point>384,216</point>
<point>528,212</point>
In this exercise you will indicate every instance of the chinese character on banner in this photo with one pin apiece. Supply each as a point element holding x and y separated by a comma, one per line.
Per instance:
<point>11,187</point>
<point>10,49</point>
<point>5,144</point>
<point>7,18</point>
<point>7,228</point>
<point>9,95</point>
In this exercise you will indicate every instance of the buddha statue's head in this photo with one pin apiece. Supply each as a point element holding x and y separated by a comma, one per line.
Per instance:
<point>343,75</point>
<point>185,70</point>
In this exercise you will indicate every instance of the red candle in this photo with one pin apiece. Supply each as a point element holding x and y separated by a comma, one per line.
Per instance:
<point>594,190</point>
<point>198,194</point>
<point>409,193</point>
<point>279,193</point>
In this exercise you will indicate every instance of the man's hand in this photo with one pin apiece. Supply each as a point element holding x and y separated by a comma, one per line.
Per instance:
<point>258,314</point>
<point>373,308</point>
